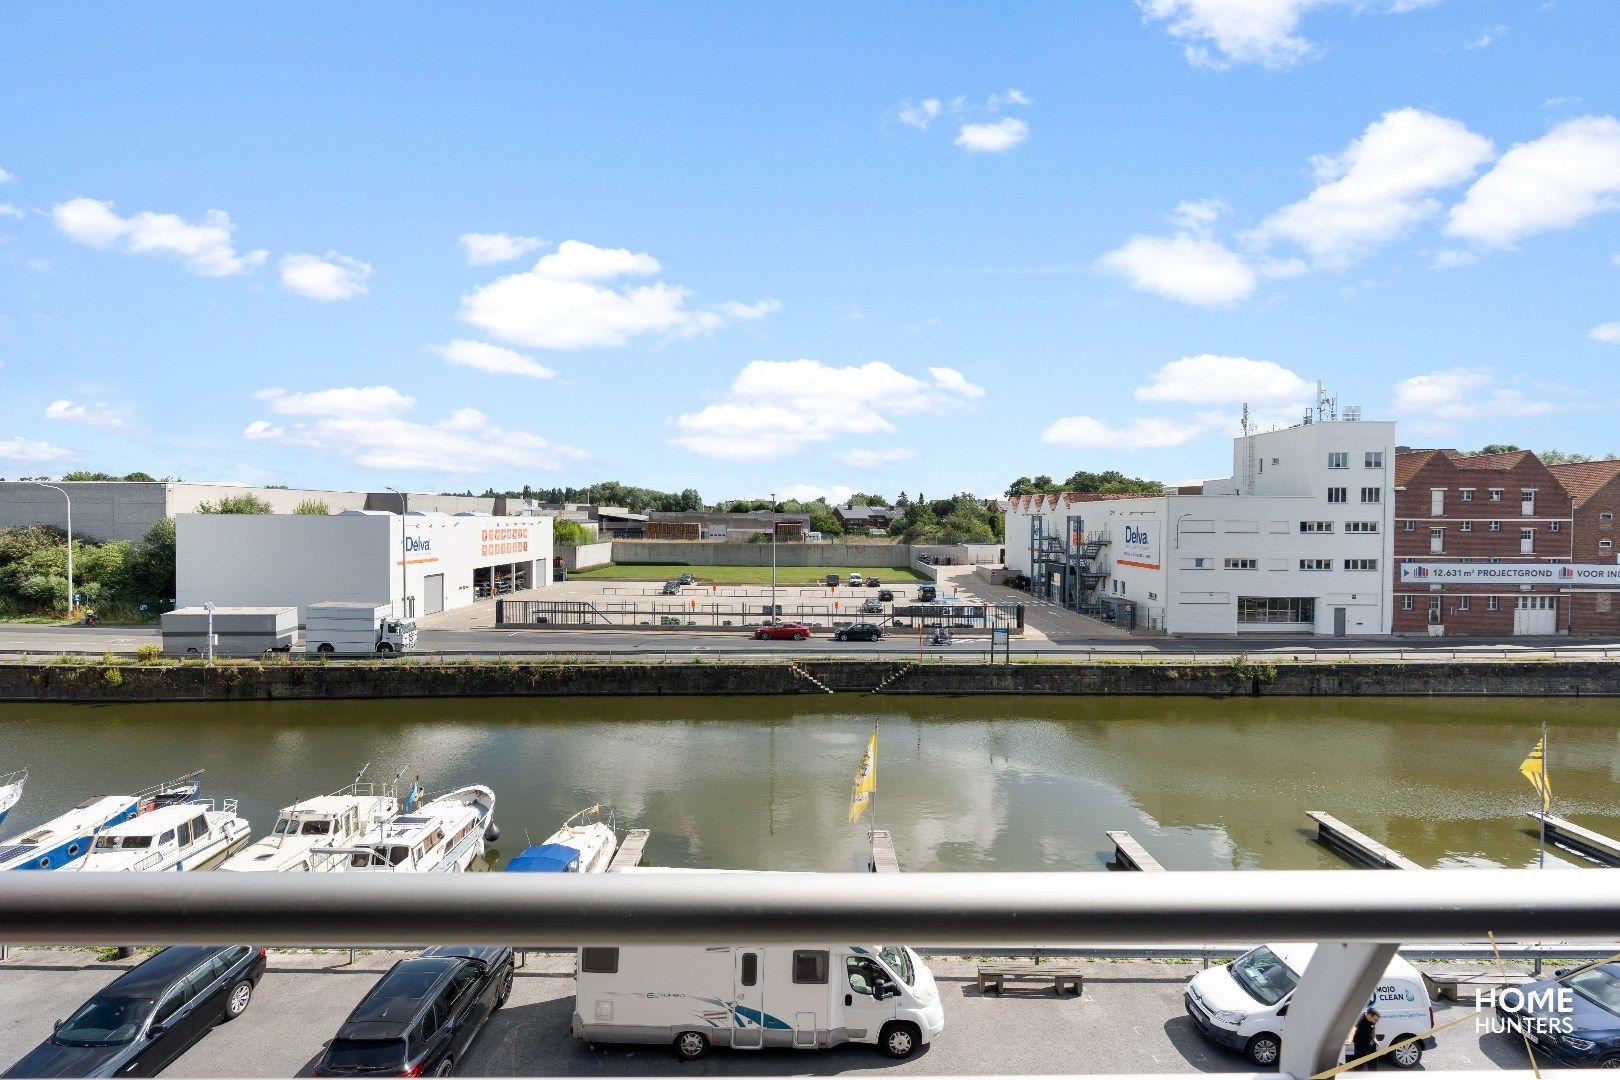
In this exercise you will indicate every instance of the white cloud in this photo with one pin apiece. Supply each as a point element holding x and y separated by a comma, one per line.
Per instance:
<point>834,495</point>
<point>351,401</point>
<point>1191,268</point>
<point>334,277</point>
<point>99,414</point>
<point>1486,38</point>
<point>1378,186</point>
<point>1450,258</point>
<point>1553,182</point>
<point>15,448</point>
<point>5,177</point>
<point>1463,394</point>
<point>205,248</point>
<point>862,458</point>
<point>921,115</point>
<point>494,359</point>
<point>1013,96</point>
<point>368,426</point>
<point>994,137</point>
<point>1220,33</point>
<point>483,249</point>
<point>1608,333</point>
<point>1209,379</point>
<point>560,305</point>
<point>1140,433</point>
<point>777,407</point>
<point>7,210</point>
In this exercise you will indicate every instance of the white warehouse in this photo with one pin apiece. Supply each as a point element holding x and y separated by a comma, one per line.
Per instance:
<point>420,564</point>
<point>1298,539</point>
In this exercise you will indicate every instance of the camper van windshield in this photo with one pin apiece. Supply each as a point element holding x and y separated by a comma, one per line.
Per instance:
<point>1263,974</point>
<point>899,962</point>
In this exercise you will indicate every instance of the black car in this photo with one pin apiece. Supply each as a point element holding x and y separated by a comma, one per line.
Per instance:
<point>423,1015</point>
<point>150,1015</point>
<point>872,582</point>
<point>687,579</point>
<point>886,595</point>
<point>861,631</point>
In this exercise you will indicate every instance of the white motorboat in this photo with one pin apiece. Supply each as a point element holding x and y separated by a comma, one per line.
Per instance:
<point>585,844</point>
<point>184,836</point>
<point>67,838</point>
<point>441,836</point>
<point>11,790</point>
<point>345,817</point>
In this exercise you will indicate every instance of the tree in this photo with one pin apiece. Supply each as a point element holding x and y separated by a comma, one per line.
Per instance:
<point>129,478</point>
<point>235,504</point>
<point>1110,482</point>
<point>566,533</point>
<point>151,563</point>
<point>312,508</point>
<point>1492,448</point>
<point>1558,457</point>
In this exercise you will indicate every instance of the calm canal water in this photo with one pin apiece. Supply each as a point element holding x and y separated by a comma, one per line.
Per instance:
<point>1023,783</point>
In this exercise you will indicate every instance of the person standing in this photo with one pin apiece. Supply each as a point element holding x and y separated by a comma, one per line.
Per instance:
<point>1364,1038</point>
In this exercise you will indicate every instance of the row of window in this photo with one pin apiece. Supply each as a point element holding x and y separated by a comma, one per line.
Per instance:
<point>1368,494</point>
<point>1304,564</point>
<point>1276,609</point>
<point>1349,526</point>
<point>1340,459</point>
<point>1492,603</point>
<point>1410,525</point>
<point>809,965</point>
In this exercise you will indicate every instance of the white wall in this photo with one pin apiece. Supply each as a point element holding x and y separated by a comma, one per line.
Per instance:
<point>255,560</point>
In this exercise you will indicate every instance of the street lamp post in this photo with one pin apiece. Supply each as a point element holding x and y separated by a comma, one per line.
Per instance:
<point>69,499</point>
<point>209,607</point>
<point>773,557</point>
<point>404,507</point>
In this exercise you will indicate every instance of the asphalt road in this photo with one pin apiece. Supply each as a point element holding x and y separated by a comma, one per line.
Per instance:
<point>1129,1019</point>
<point>17,638</point>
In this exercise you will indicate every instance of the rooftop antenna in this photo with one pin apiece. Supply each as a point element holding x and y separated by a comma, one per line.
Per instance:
<point>1248,452</point>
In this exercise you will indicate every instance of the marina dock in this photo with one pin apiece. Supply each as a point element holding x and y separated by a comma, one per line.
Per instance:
<point>1357,846</point>
<point>630,852</point>
<point>884,860</point>
<point>1568,835</point>
<point>1130,854</point>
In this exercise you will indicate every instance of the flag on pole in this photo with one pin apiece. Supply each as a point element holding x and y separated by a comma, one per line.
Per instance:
<point>1535,771</point>
<point>860,798</point>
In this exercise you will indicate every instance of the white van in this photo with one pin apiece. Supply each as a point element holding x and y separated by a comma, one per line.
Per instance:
<point>1243,1005</point>
<point>806,998</point>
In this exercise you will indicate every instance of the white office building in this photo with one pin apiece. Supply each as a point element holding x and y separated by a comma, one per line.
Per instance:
<point>1298,539</point>
<point>420,563</point>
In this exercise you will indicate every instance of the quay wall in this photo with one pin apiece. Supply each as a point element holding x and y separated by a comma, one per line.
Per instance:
<point>93,682</point>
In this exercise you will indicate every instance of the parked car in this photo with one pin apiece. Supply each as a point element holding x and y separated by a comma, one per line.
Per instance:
<point>861,631</point>
<point>927,594</point>
<point>151,1014</point>
<point>872,582</point>
<point>422,1016</point>
<point>1580,1028</point>
<point>832,579</point>
<point>672,588</point>
<point>855,580</point>
<point>872,606</point>
<point>782,631</point>
<point>886,595</point>
<point>687,579</point>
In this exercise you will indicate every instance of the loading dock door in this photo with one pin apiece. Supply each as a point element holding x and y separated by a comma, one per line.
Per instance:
<point>433,586</point>
<point>1535,615</point>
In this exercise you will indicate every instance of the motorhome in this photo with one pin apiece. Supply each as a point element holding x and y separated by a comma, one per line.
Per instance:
<point>1243,1005</point>
<point>810,997</point>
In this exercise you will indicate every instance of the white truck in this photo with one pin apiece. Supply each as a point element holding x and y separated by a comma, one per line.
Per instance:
<point>345,628</point>
<point>811,997</point>
<point>238,631</point>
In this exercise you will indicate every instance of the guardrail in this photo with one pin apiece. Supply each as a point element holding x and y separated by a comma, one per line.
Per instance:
<point>1358,920</point>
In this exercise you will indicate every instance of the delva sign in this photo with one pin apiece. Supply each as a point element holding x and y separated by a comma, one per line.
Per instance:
<point>1526,573</point>
<point>1137,544</point>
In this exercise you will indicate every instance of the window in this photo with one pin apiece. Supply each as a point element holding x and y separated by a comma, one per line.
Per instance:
<point>1276,609</point>
<point>1374,459</point>
<point>1605,516</point>
<point>1496,526</point>
<point>1492,603</point>
<point>1406,603</point>
<point>167,838</point>
<point>1527,541</point>
<point>599,961</point>
<point>1467,526</point>
<point>1372,495</point>
<point>1408,525</point>
<point>863,975</point>
<point>1361,564</point>
<point>1437,502</point>
<point>1496,494</point>
<point>1316,564</point>
<point>1338,495</point>
<point>1339,460</point>
<point>1316,526</point>
<point>1361,526</point>
<point>809,966</point>
<point>1462,603</point>
<point>171,1003</point>
<point>1552,526</point>
<point>750,968</point>
<point>1434,611</point>
<point>1527,497</point>
<point>1605,544</point>
<point>1243,564</point>
<point>1437,541</point>
<point>1467,494</point>
<point>465,980</point>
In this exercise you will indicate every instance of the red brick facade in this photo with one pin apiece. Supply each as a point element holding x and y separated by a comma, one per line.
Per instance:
<point>1595,486</point>
<point>1457,526</point>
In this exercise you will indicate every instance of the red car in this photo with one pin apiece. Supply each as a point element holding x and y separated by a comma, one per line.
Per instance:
<point>791,631</point>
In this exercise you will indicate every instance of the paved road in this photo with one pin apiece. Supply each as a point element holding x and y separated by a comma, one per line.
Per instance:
<point>1130,1019</point>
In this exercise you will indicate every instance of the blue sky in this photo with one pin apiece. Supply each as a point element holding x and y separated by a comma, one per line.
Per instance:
<point>746,247</point>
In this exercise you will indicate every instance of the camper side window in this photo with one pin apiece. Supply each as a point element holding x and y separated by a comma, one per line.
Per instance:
<point>599,961</point>
<point>862,975</point>
<point>809,967</point>
<point>750,969</point>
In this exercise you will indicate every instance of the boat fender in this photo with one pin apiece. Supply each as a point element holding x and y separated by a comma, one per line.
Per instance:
<point>493,833</point>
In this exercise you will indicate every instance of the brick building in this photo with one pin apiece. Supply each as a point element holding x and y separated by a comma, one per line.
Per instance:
<point>1494,508</point>
<point>1595,487</point>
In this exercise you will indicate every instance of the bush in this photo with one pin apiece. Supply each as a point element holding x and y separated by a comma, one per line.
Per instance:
<point>235,504</point>
<point>569,533</point>
<point>43,592</point>
<point>312,508</point>
<point>148,653</point>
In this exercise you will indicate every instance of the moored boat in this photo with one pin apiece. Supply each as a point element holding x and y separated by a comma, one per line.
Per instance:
<point>442,836</point>
<point>11,789</point>
<point>347,816</point>
<point>182,836</point>
<point>584,845</point>
<point>65,839</point>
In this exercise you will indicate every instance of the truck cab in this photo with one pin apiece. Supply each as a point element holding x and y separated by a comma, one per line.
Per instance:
<point>398,634</point>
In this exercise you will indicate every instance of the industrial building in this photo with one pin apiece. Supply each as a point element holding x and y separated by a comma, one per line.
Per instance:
<point>1298,540</point>
<point>420,563</point>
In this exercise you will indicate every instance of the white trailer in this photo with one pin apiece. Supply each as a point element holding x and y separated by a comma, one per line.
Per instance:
<point>807,997</point>
<point>344,628</point>
<point>238,631</point>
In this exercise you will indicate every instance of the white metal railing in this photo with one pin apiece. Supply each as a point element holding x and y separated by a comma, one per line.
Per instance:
<point>1357,919</point>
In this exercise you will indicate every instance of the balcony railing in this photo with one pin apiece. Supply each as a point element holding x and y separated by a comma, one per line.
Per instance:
<point>1358,918</point>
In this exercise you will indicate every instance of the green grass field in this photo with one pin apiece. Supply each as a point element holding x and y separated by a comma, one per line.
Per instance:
<point>740,575</point>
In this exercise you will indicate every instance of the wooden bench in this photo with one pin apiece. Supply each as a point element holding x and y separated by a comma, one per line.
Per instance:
<point>992,976</point>
<point>1450,986</point>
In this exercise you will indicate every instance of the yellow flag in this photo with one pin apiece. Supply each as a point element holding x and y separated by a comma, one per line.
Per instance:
<point>1535,771</point>
<point>865,781</point>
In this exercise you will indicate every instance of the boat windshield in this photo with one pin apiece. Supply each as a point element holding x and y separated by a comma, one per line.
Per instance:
<point>124,843</point>
<point>1264,976</point>
<point>104,1021</point>
<point>391,856</point>
<point>899,961</point>
<point>317,827</point>
<point>1599,987</point>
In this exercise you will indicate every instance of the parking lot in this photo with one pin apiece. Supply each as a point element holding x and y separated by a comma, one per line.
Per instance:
<point>1129,1019</point>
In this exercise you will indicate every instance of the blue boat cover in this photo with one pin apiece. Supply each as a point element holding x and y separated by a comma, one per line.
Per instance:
<point>546,859</point>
